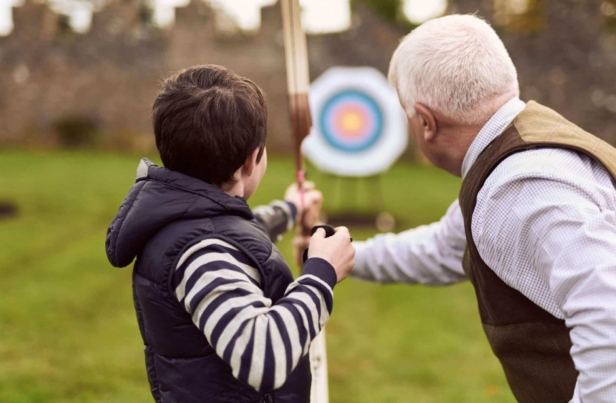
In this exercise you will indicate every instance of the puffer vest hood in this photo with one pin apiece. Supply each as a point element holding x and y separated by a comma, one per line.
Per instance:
<point>164,214</point>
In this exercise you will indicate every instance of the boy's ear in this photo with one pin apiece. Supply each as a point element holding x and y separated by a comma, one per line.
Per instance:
<point>428,121</point>
<point>251,162</point>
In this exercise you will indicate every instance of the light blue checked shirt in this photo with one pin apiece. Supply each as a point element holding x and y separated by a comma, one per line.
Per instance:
<point>550,214</point>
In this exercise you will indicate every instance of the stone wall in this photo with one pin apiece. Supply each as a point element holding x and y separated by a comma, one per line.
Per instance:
<point>110,76</point>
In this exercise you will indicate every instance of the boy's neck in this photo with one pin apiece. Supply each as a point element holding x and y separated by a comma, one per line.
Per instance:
<point>234,190</point>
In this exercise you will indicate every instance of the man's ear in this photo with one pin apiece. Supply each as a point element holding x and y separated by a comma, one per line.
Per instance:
<point>428,121</point>
<point>251,162</point>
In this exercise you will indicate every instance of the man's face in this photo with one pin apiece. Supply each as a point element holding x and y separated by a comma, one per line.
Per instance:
<point>253,181</point>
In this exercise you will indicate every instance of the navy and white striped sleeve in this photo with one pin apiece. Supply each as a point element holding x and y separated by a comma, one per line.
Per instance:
<point>276,218</point>
<point>261,341</point>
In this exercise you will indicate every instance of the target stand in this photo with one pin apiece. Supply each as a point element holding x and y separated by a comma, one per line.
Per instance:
<point>346,209</point>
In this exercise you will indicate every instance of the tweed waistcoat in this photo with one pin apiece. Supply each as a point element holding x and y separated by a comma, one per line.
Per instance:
<point>532,345</point>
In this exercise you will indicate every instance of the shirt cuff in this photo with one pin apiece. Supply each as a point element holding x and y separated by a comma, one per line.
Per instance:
<point>322,269</point>
<point>360,269</point>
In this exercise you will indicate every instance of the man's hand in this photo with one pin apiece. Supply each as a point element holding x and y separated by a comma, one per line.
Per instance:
<point>337,250</point>
<point>313,200</point>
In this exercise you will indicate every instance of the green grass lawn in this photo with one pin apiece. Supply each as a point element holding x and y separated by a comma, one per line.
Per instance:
<point>68,331</point>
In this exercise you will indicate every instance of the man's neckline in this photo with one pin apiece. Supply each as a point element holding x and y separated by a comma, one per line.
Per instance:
<point>491,130</point>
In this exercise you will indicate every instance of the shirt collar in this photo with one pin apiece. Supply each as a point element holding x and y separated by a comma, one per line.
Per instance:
<point>491,130</point>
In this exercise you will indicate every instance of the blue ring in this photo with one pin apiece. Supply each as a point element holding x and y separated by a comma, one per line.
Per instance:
<point>331,137</point>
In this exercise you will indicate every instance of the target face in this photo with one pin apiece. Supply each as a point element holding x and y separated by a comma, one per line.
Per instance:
<point>351,121</point>
<point>360,128</point>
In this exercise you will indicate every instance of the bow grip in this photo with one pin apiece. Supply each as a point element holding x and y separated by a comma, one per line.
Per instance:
<point>329,231</point>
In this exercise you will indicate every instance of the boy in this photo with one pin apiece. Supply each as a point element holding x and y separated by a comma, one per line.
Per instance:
<point>221,318</point>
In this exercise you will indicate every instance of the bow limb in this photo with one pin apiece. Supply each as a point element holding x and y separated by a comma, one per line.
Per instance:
<point>298,82</point>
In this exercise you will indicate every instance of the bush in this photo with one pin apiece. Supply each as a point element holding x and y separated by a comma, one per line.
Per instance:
<point>77,131</point>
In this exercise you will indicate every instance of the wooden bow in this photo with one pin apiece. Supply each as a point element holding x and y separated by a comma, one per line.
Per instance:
<point>298,80</point>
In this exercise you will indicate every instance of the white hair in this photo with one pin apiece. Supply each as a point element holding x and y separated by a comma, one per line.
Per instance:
<point>456,65</point>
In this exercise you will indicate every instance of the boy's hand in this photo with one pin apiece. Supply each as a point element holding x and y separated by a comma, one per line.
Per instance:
<point>313,200</point>
<point>337,250</point>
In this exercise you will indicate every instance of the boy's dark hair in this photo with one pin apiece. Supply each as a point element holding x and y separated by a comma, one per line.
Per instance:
<point>207,121</point>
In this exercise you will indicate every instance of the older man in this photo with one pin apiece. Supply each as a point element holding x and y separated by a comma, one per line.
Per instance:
<point>534,229</point>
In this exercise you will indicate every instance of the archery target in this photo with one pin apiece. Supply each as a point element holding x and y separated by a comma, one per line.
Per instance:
<point>359,126</point>
<point>351,121</point>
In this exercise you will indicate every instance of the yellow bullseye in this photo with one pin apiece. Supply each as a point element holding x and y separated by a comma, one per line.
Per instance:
<point>352,122</point>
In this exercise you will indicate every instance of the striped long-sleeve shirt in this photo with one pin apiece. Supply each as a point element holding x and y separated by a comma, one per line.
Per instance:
<point>261,341</point>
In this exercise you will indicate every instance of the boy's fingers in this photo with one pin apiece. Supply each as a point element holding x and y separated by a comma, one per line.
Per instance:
<point>315,196</point>
<point>301,240</point>
<point>342,231</point>
<point>320,233</point>
<point>308,185</point>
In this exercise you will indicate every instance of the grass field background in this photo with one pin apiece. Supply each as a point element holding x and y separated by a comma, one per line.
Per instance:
<point>68,331</point>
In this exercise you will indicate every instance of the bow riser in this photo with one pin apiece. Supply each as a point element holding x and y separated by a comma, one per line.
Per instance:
<point>298,80</point>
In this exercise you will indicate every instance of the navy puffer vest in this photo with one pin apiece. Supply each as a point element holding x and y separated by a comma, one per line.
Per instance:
<point>164,214</point>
